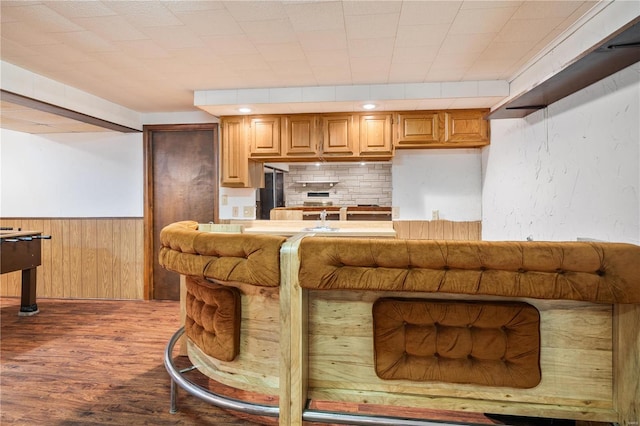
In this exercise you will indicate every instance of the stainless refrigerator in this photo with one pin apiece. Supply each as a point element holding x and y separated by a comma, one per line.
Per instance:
<point>272,195</point>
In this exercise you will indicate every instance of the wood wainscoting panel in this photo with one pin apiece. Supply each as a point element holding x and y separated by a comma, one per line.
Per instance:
<point>86,258</point>
<point>438,230</point>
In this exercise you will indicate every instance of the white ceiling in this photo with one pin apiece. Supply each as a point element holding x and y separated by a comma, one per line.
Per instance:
<point>153,56</point>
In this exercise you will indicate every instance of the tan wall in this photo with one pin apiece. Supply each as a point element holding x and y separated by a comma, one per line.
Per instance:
<point>85,258</point>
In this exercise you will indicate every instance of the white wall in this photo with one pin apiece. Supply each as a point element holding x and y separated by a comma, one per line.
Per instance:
<point>445,180</point>
<point>71,175</point>
<point>569,171</point>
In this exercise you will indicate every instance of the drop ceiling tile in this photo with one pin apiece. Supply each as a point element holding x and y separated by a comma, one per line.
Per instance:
<point>480,4</point>
<point>421,35</point>
<point>111,28</point>
<point>315,16</point>
<point>422,55</point>
<point>247,11</point>
<point>295,73</point>
<point>62,53</point>
<point>329,75</point>
<point>546,9</point>
<point>371,26</point>
<point>235,46</point>
<point>371,47</point>
<point>281,52</point>
<point>329,58</point>
<point>24,35</point>
<point>212,23</point>
<point>371,7</point>
<point>429,12</point>
<point>80,9</point>
<point>445,74</point>
<point>246,62</point>
<point>456,44</point>
<point>84,41</point>
<point>145,13</point>
<point>313,41</point>
<point>481,21</point>
<point>178,37</point>
<point>46,19</point>
<point>527,29</point>
<point>194,6</point>
<point>269,32</point>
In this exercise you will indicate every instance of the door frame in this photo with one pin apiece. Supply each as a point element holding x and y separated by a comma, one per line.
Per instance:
<point>149,237</point>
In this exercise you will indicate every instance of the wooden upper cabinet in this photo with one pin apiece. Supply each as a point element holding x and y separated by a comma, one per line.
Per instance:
<point>466,127</point>
<point>301,136</point>
<point>415,130</point>
<point>442,129</point>
<point>236,168</point>
<point>375,135</point>
<point>264,136</point>
<point>338,135</point>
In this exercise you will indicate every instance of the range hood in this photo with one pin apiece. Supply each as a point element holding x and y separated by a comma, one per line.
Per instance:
<point>615,53</point>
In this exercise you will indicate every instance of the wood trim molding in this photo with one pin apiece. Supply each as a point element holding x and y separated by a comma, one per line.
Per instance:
<point>63,112</point>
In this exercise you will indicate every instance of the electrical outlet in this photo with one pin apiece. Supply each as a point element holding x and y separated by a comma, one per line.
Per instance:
<point>234,211</point>
<point>225,200</point>
<point>247,211</point>
<point>435,214</point>
<point>395,212</point>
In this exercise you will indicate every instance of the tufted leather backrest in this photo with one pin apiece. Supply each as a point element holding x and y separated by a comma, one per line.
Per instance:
<point>586,271</point>
<point>250,259</point>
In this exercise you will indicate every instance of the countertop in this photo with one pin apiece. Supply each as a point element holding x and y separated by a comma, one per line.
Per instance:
<point>352,228</point>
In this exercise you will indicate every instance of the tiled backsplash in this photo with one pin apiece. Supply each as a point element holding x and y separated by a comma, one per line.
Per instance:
<point>356,184</point>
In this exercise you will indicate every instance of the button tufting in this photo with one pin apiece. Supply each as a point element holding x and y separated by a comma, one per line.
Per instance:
<point>600,272</point>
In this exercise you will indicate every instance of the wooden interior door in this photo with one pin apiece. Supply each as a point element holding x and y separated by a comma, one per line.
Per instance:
<point>181,184</point>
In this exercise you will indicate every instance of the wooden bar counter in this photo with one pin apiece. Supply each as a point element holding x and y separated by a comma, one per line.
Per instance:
<point>335,228</point>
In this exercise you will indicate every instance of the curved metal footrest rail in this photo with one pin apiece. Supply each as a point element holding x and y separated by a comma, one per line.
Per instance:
<point>177,378</point>
<point>221,401</point>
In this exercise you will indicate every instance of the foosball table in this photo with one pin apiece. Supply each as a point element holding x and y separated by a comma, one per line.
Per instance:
<point>22,251</point>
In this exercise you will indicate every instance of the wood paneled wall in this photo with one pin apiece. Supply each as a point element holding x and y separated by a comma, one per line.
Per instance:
<point>438,230</point>
<point>86,258</point>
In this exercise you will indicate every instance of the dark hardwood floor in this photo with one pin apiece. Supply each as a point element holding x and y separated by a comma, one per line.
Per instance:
<point>84,362</point>
<point>97,362</point>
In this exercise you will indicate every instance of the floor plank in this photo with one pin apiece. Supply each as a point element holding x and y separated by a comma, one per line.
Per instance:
<point>83,362</point>
<point>98,362</point>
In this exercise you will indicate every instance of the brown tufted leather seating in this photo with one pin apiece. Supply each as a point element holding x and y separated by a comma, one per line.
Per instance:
<point>249,259</point>
<point>213,314</point>
<point>585,271</point>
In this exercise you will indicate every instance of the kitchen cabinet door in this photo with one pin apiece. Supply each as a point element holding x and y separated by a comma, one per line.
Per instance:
<point>465,127</point>
<point>301,136</point>
<point>415,130</point>
<point>338,135</point>
<point>264,136</point>
<point>375,133</point>
<point>236,168</point>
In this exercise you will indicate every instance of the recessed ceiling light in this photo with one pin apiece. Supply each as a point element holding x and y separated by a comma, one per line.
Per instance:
<point>244,110</point>
<point>369,106</point>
